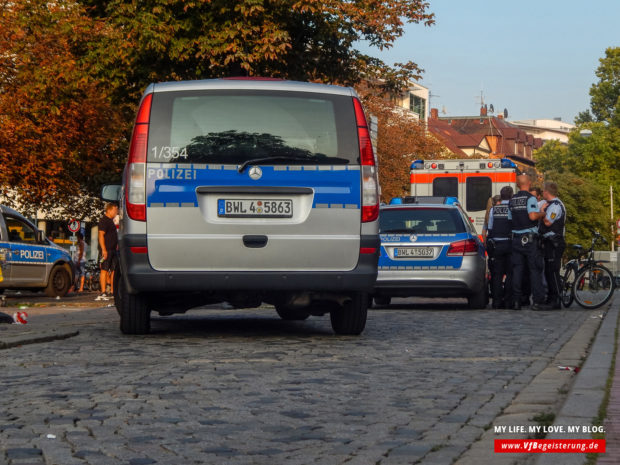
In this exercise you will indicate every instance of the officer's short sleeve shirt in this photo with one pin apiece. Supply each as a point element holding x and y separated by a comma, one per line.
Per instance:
<point>532,205</point>
<point>554,212</point>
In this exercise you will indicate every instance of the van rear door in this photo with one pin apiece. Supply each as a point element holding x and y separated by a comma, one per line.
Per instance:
<point>247,180</point>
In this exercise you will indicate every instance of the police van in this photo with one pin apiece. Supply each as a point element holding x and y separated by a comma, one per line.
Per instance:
<point>248,191</point>
<point>28,260</point>
<point>472,181</point>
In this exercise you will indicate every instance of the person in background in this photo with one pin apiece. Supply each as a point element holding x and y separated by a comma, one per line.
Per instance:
<point>552,230</point>
<point>490,204</point>
<point>526,256</point>
<point>80,261</point>
<point>108,241</point>
<point>499,246</point>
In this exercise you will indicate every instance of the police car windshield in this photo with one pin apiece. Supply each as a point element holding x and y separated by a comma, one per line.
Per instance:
<point>422,220</point>
<point>233,127</point>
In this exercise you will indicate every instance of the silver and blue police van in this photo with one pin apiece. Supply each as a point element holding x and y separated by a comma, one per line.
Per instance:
<point>248,191</point>
<point>28,260</point>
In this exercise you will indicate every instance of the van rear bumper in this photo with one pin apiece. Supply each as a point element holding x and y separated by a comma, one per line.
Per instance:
<point>141,277</point>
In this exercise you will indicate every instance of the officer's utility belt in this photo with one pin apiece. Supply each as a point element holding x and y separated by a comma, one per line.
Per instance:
<point>525,238</point>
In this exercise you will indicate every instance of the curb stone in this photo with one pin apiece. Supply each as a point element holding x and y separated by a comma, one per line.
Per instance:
<point>8,341</point>
<point>588,390</point>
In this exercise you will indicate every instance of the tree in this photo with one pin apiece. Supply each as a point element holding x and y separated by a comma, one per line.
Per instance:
<point>72,72</point>
<point>605,94</point>
<point>401,139</point>
<point>59,131</point>
<point>306,40</point>
<point>582,199</point>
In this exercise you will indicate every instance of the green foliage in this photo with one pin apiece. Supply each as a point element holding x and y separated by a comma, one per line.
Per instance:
<point>306,40</point>
<point>605,94</point>
<point>586,168</point>
<point>587,206</point>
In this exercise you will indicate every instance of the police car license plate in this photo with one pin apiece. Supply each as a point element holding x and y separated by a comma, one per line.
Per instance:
<point>413,252</point>
<point>254,208</point>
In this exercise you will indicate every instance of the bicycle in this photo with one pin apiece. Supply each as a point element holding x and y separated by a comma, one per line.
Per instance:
<point>587,282</point>
<point>91,279</point>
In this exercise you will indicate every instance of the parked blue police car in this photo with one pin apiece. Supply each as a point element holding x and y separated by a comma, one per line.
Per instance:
<point>429,248</point>
<point>28,260</point>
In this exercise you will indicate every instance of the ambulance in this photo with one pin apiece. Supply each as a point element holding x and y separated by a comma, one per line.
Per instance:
<point>472,181</point>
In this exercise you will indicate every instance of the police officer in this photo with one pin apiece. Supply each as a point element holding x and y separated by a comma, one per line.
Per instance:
<point>552,231</point>
<point>526,255</point>
<point>500,248</point>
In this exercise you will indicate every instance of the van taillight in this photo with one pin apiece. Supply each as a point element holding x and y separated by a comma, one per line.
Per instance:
<point>135,192</point>
<point>370,182</point>
<point>466,247</point>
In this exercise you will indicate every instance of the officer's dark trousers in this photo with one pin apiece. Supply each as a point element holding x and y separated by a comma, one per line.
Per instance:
<point>501,266</point>
<point>527,258</point>
<point>553,262</point>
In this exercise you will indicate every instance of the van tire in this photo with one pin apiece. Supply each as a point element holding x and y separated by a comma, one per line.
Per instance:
<point>350,318</point>
<point>59,282</point>
<point>478,300</point>
<point>291,314</point>
<point>133,310</point>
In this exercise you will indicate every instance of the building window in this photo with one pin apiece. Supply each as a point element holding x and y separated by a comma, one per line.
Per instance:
<point>417,105</point>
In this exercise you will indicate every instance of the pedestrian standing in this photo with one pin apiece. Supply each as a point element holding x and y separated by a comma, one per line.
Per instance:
<point>499,247</point>
<point>552,230</point>
<point>108,242</point>
<point>80,260</point>
<point>526,256</point>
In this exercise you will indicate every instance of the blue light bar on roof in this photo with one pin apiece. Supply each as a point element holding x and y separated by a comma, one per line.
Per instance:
<point>507,163</point>
<point>417,165</point>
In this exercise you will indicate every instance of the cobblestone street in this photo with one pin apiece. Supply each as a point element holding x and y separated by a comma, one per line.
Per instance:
<point>422,383</point>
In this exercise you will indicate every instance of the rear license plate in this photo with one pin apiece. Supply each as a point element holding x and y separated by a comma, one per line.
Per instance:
<point>254,208</point>
<point>413,252</point>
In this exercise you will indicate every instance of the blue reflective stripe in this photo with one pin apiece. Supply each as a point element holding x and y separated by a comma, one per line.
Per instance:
<point>34,254</point>
<point>336,186</point>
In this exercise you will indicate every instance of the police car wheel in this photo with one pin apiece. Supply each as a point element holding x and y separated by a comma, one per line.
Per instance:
<point>479,299</point>
<point>59,282</point>
<point>133,310</point>
<point>291,314</point>
<point>350,318</point>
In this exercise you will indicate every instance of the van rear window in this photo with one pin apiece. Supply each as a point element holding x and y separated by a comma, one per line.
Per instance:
<point>231,127</point>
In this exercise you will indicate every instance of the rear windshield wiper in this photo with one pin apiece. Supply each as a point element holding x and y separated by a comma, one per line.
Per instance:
<point>396,231</point>
<point>255,161</point>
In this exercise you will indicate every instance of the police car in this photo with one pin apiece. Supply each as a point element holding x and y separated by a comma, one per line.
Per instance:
<point>28,260</point>
<point>429,248</point>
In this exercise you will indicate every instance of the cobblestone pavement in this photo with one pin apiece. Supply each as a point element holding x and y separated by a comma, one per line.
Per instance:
<point>420,385</point>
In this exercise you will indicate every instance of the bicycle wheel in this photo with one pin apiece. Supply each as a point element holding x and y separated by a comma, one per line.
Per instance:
<point>593,286</point>
<point>566,290</point>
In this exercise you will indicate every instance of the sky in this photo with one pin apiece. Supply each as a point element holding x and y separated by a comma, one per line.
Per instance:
<point>535,58</point>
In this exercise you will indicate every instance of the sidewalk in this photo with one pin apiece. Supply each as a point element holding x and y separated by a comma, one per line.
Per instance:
<point>587,394</point>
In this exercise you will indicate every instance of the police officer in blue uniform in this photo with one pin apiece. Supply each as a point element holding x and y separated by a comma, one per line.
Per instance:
<point>499,230</point>
<point>526,254</point>
<point>552,231</point>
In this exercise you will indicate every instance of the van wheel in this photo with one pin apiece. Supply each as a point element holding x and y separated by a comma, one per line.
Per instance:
<point>291,314</point>
<point>133,310</point>
<point>59,282</point>
<point>478,300</point>
<point>350,318</point>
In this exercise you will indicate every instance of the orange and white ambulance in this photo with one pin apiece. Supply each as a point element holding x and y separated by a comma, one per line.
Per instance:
<point>472,181</point>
